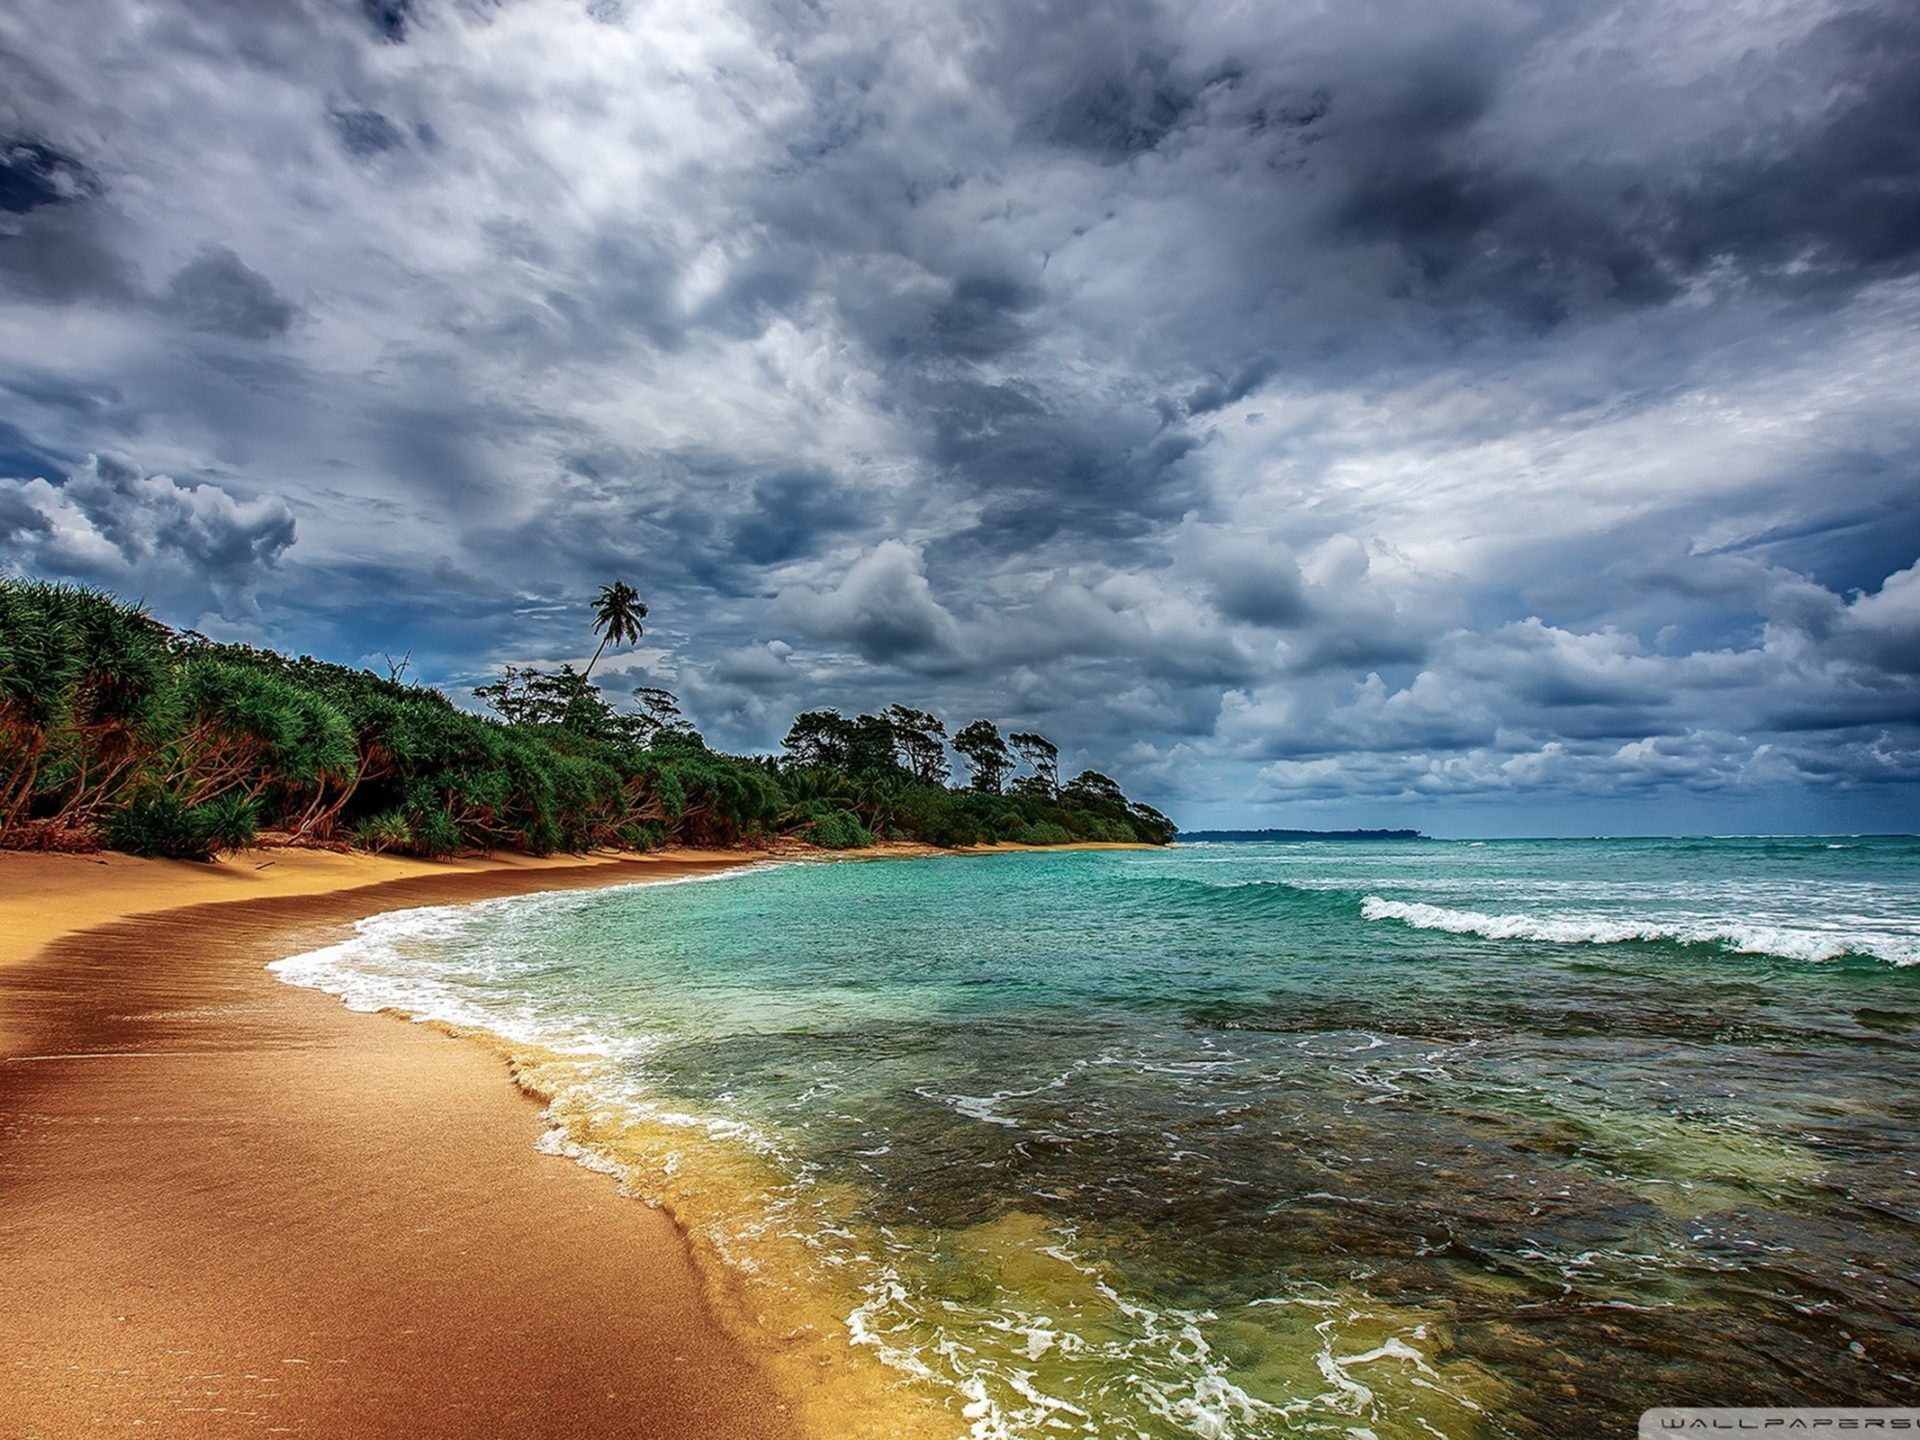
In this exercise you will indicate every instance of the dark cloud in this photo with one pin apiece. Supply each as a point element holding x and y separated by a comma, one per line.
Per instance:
<point>366,132</point>
<point>53,246</point>
<point>1249,579</point>
<point>1118,114</point>
<point>1835,200</point>
<point>980,317</point>
<point>790,514</point>
<point>18,456</point>
<point>884,608</point>
<point>64,255</point>
<point>1217,391</point>
<point>1491,405</point>
<point>33,173</point>
<point>216,290</point>
<point>1100,79</point>
<point>1045,471</point>
<point>1839,203</point>
<point>757,667</point>
<point>389,18</point>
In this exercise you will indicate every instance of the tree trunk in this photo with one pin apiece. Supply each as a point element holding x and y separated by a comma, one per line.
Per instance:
<point>584,674</point>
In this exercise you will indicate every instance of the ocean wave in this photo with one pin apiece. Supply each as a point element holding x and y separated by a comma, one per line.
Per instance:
<point>380,966</point>
<point>1247,896</point>
<point>1741,937</point>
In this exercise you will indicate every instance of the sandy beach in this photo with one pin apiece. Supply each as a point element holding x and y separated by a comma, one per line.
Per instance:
<point>229,1206</point>
<point>232,1206</point>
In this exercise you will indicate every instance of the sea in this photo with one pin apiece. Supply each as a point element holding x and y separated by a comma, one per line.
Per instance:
<point>1421,1140</point>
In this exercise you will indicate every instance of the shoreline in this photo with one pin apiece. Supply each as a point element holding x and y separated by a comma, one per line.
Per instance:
<point>232,1205</point>
<point>229,1203</point>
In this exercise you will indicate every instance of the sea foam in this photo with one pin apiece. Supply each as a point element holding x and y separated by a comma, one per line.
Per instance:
<point>1741,937</point>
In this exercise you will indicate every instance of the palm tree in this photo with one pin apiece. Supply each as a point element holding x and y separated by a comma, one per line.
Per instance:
<point>617,613</point>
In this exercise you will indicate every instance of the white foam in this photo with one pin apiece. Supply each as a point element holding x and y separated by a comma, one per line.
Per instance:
<point>1789,942</point>
<point>373,971</point>
<point>985,1108</point>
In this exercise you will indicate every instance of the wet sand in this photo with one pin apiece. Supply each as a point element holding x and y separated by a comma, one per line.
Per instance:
<point>232,1207</point>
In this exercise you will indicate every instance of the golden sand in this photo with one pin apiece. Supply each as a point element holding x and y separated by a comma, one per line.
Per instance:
<point>229,1206</point>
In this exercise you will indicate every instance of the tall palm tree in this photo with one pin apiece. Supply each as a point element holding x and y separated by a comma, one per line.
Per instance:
<point>617,613</point>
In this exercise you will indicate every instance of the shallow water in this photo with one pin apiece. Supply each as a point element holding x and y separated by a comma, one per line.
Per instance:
<point>1400,1140</point>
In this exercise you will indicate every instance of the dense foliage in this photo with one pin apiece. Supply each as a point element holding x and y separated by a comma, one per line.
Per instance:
<point>116,730</point>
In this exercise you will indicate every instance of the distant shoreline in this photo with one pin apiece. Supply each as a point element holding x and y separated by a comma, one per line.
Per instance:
<point>1269,835</point>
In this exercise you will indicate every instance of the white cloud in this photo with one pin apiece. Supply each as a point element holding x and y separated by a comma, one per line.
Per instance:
<point>195,545</point>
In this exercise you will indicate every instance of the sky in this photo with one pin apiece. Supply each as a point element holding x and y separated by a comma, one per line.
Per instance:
<point>1486,416</point>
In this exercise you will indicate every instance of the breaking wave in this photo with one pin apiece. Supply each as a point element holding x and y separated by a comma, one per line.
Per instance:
<point>1740,937</point>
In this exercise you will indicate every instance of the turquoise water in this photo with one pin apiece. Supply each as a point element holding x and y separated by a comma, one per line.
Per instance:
<point>1390,1140</point>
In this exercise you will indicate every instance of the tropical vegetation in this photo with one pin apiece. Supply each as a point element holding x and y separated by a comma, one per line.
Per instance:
<point>116,730</point>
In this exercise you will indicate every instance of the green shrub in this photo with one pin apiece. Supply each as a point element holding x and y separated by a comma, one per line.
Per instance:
<point>951,829</point>
<point>155,824</point>
<point>432,835</point>
<point>840,831</point>
<point>160,823</point>
<point>231,822</point>
<point>386,831</point>
<point>650,835</point>
<point>1046,833</point>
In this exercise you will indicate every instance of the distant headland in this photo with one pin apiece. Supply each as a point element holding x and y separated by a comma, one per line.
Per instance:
<point>1257,835</point>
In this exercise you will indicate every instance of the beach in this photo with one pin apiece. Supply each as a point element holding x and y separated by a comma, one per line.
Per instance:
<point>1410,1138</point>
<point>1421,1138</point>
<point>230,1206</point>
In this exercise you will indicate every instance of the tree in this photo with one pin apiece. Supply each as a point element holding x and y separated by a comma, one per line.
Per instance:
<point>986,755</point>
<point>114,728</point>
<point>526,696</point>
<point>1154,828</point>
<point>819,737</point>
<point>870,746</point>
<point>1091,787</point>
<point>84,700</point>
<point>659,711</point>
<point>517,697</point>
<point>1043,755</point>
<point>617,613</point>
<point>922,741</point>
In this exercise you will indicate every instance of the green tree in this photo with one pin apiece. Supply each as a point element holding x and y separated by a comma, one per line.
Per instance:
<point>659,713</point>
<point>819,737</point>
<point>522,696</point>
<point>1090,787</point>
<point>1152,826</point>
<point>526,696</point>
<point>922,741</point>
<point>85,691</point>
<point>870,746</point>
<point>617,613</point>
<point>986,754</point>
<point>1043,755</point>
<point>114,727</point>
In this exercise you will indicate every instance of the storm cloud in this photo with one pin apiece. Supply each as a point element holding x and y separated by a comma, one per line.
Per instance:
<point>1485,416</point>
<point>194,547</point>
<point>216,290</point>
